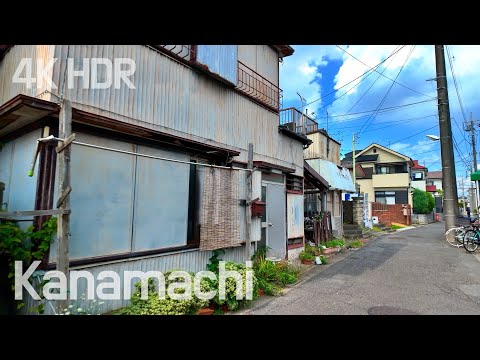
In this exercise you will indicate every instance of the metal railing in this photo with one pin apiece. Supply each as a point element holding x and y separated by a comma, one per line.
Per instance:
<point>257,87</point>
<point>182,52</point>
<point>295,121</point>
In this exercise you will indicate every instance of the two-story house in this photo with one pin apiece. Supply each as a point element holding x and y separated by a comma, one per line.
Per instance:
<point>384,174</point>
<point>419,176</point>
<point>158,166</point>
<point>434,182</point>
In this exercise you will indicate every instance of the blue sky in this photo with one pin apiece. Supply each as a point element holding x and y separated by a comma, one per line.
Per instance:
<point>406,110</point>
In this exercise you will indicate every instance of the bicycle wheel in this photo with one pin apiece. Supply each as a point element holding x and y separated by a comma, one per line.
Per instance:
<point>455,236</point>
<point>470,241</point>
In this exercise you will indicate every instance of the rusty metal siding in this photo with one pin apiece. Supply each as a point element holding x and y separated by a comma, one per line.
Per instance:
<point>220,60</point>
<point>190,260</point>
<point>9,64</point>
<point>295,215</point>
<point>173,98</point>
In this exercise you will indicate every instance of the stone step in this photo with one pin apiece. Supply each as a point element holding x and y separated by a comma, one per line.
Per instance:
<point>351,227</point>
<point>353,232</point>
<point>351,237</point>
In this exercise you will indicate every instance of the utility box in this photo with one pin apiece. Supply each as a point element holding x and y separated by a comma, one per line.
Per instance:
<point>258,208</point>
<point>375,219</point>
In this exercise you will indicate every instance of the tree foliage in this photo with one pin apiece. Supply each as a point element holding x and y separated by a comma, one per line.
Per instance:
<point>423,202</point>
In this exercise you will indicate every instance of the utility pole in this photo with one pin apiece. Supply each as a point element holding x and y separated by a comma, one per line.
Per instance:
<point>450,200</point>
<point>353,158</point>
<point>463,193</point>
<point>248,209</point>
<point>470,127</point>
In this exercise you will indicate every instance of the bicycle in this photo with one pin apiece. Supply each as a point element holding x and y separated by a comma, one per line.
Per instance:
<point>472,238</point>
<point>455,236</point>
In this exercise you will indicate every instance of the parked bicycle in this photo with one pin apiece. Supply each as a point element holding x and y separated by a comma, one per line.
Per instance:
<point>456,236</point>
<point>472,238</point>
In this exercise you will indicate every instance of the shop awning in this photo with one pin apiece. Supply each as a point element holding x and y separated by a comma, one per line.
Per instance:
<point>475,176</point>
<point>337,177</point>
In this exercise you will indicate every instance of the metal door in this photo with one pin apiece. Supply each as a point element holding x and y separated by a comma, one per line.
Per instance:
<point>276,221</point>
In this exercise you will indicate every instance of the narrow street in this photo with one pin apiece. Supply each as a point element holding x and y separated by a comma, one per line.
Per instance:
<point>409,272</point>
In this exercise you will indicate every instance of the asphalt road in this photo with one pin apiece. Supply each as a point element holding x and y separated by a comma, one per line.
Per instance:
<point>409,272</point>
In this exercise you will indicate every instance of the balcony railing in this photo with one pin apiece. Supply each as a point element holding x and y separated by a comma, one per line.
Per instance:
<point>295,121</point>
<point>257,87</point>
<point>181,52</point>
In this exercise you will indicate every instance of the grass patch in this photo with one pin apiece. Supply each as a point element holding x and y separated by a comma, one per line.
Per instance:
<point>375,228</point>
<point>355,244</point>
<point>396,227</point>
<point>273,276</point>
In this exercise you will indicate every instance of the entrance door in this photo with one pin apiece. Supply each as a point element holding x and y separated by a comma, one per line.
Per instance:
<point>275,224</point>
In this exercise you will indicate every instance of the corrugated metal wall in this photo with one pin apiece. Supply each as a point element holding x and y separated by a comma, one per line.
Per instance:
<point>190,260</point>
<point>173,98</point>
<point>318,149</point>
<point>15,159</point>
<point>262,59</point>
<point>10,63</point>
<point>220,60</point>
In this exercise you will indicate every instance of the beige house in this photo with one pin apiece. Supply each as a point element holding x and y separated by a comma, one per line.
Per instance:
<point>384,174</point>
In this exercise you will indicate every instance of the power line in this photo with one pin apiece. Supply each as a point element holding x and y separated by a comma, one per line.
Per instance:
<point>381,110</point>
<point>388,122</point>
<point>367,123</point>
<point>365,93</point>
<point>406,87</point>
<point>414,135</point>
<point>366,72</point>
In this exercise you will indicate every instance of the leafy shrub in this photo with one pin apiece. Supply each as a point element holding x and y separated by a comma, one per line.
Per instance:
<point>166,306</point>
<point>307,256</point>
<point>231,285</point>
<point>335,243</point>
<point>272,276</point>
<point>423,202</point>
<point>312,250</point>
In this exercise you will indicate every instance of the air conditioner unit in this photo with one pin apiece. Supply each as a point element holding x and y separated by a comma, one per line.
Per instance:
<point>375,219</point>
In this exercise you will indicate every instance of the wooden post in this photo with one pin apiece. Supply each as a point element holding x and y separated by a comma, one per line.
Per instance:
<point>63,230</point>
<point>248,212</point>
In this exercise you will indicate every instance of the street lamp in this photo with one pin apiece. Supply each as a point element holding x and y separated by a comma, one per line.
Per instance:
<point>433,137</point>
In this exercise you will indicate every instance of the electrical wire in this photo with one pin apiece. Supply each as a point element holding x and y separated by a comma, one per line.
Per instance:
<point>406,87</point>
<point>365,93</point>
<point>358,77</point>
<point>408,137</point>
<point>369,122</point>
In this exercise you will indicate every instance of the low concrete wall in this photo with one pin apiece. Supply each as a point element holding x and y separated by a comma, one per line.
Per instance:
<point>423,218</point>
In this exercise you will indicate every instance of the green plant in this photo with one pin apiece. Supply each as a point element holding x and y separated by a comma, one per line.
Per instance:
<point>335,243</point>
<point>396,227</point>
<point>423,202</point>
<point>75,309</point>
<point>355,244</point>
<point>307,256</point>
<point>272,276</point>
<point>315,251</point>
<point>214,261</point>
<point>376,228</point>
<point>164,306</point>
<point>260,253</point>
<point>25,245</point>
<point>324,260</point>
<point>231,285</point>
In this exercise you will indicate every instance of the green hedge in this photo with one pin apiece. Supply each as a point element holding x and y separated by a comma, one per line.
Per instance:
<point>423,202</point>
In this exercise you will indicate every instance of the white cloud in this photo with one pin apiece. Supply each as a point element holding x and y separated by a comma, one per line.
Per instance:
<point>298,72</point>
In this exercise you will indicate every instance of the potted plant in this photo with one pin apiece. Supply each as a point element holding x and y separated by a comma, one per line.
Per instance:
<point>306,257</point>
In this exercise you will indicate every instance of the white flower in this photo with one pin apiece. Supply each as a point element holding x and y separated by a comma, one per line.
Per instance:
<point>67,313</point>
<point>79,310</point>
<point>70,306</point>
